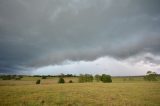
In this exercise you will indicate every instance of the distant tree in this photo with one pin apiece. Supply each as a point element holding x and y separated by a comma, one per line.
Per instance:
<point>150,76</point>
<point>17,78</point>
<point>44,77</point>
<point>149,72</point>
<point>36,75</point>
<point>61,80</point>
<point>7,77</point>
<point>106,78</point>
<point>81,78</point>
<point>89,78</point>
<point>38,81</point>
<point>62,75</point>
<point>97,77</point>
<point>85,78</point>
<point>69,75</point>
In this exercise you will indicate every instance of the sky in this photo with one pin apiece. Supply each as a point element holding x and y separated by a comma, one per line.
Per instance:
<point>116,37</point>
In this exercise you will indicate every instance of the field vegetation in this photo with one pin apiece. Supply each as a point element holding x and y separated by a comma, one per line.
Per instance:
<point>123,91</point>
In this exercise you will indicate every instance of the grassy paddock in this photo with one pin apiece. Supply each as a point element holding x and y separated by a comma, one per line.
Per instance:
<point>122,92</point>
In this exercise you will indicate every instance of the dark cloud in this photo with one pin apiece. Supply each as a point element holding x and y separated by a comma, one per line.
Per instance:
<point>36,33</point>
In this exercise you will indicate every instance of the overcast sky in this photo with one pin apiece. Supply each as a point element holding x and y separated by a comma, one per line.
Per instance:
<point>117,37</point>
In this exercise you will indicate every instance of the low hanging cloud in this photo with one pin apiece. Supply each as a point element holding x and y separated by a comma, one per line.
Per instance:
<point>38,33</point>
<point>99,66</point>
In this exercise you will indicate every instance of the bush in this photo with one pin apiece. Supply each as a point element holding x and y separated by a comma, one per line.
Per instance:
<point>61,80</point>
<point>70,81</point>
<point>106,78</point>
<point>38,81</point>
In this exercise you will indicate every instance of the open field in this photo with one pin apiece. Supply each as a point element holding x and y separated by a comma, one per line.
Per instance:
<point>122,92</point>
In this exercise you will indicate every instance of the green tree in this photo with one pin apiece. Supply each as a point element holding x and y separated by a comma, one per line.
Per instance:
<point>97,77</point>
<point>106,78</point>
<point>150,76</point>
<point>85,78</point>
<point>89,78</point>
<point>149,72</point>
<point>81,78</point>
<point>61,80</point>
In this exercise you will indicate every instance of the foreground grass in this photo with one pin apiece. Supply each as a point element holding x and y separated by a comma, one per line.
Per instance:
<point>81,94</point>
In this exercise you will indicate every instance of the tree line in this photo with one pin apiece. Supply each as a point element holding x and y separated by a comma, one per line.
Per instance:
<point>89,78</point>
<point>82,78</point>
<point>11,77</point>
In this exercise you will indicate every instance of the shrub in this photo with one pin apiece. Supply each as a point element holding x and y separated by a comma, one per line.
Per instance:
<point>61,80</point>
<point>70,81</point>
<point>38,81</point>
<point>106,78</point>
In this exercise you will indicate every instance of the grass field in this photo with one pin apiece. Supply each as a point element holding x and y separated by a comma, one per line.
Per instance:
<point>122,92</point>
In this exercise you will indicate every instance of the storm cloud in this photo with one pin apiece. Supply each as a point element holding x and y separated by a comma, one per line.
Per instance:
<point>37,33</point>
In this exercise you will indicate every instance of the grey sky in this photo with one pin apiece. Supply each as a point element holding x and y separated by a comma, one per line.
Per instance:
<point>38,33</point>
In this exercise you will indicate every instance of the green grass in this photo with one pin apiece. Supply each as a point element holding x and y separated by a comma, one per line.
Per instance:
<point>25,92</point>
